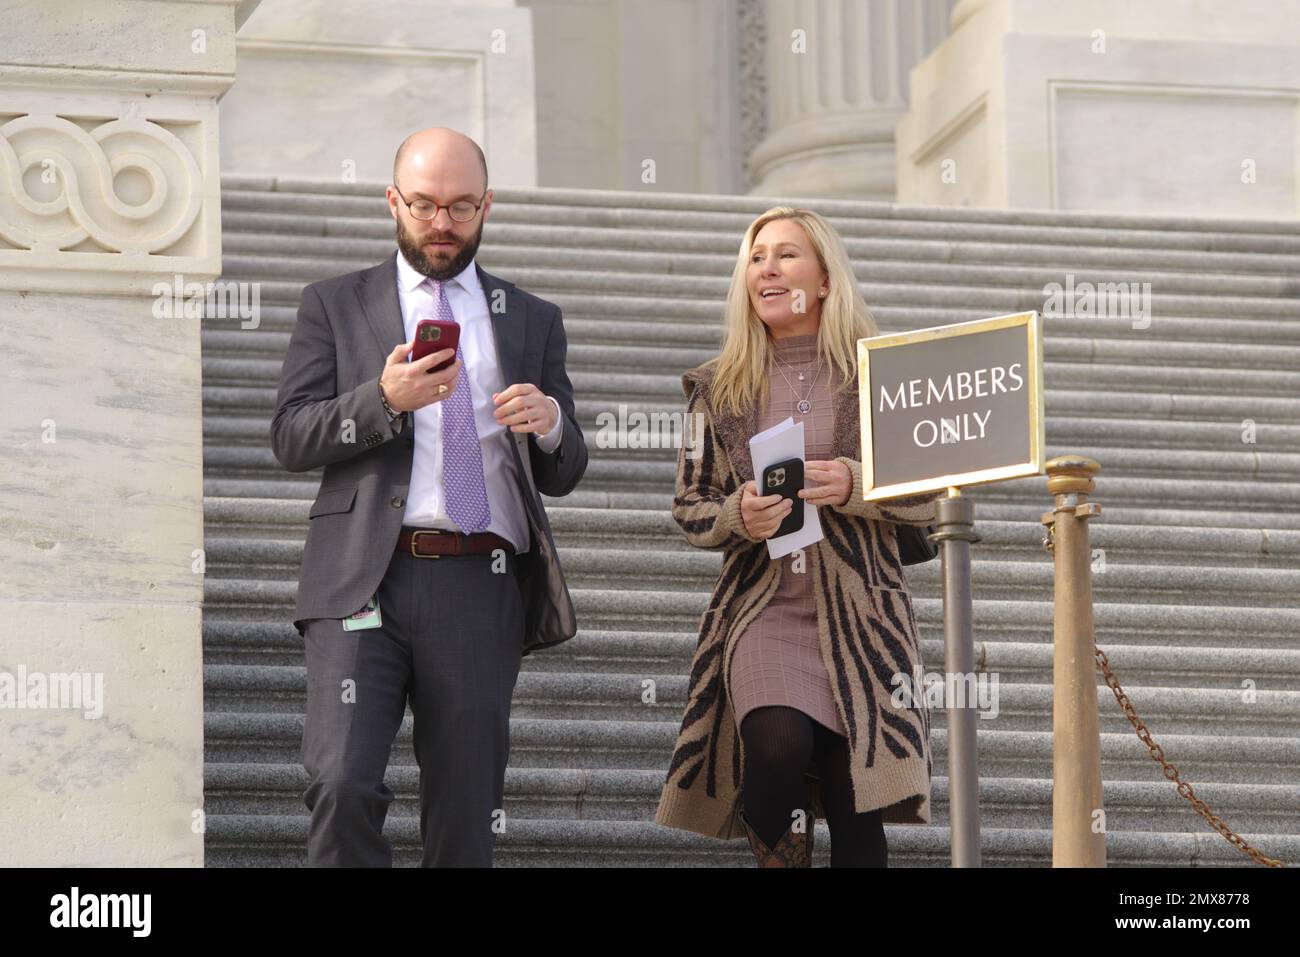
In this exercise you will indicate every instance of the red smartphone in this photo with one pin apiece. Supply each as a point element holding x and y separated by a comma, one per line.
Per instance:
<point>434,335</point>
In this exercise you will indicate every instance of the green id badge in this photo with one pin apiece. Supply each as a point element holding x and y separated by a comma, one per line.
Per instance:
<point>367,617</point>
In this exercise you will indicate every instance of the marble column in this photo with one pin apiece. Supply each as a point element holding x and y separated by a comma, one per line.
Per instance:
<point>836,84</point>
<point>109,198</point>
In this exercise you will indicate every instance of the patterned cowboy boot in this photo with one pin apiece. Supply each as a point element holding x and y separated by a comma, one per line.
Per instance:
<point>792,850</point>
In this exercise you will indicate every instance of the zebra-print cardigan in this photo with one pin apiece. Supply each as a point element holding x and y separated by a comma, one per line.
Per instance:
<point>864,615</point>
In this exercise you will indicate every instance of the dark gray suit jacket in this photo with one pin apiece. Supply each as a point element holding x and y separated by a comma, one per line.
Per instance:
<point>330,383</point>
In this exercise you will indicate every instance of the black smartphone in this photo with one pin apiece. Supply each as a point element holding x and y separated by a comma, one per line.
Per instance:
<point>785,478</point>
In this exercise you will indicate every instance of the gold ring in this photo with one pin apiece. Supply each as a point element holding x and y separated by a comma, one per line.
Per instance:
<point>441,389</point>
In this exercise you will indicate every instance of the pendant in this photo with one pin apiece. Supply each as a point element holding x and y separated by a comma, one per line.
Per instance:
<point>804,406</point>
<point>800,376</point>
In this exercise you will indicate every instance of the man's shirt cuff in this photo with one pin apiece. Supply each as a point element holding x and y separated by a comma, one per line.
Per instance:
<point>549,442</point>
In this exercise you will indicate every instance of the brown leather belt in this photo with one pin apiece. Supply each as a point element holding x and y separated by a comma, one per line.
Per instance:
<point>436,542</point>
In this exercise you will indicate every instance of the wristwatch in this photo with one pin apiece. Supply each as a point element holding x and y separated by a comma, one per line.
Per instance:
<point>395,419</point>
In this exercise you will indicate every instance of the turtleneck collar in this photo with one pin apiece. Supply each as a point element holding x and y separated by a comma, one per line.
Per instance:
<point>796,349</point>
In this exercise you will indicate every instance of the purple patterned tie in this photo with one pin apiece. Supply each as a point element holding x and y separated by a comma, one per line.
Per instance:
<point>462,458</point>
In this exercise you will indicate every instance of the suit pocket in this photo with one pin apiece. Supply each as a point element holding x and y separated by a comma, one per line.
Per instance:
<point>334,501</point>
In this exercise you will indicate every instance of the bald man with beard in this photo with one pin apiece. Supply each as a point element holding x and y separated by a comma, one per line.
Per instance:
<point>429,568</point>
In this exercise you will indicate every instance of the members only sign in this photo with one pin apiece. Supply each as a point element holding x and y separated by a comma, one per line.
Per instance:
<point>952,405</point>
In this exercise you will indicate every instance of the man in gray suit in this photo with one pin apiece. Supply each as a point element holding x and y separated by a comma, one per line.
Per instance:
<point>429,568</point>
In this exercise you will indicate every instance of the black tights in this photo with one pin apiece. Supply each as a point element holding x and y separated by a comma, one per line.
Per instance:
<point>779,744</point>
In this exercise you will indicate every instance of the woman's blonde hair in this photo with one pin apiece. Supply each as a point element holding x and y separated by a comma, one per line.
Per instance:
<point>740,376</point>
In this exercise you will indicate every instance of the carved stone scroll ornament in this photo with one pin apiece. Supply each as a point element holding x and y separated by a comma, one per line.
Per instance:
<point>87,206</point>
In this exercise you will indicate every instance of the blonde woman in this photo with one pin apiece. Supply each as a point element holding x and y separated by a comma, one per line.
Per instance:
<point>789,713</point>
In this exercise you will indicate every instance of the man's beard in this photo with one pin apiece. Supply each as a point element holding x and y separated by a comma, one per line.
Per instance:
<point>439,269</point>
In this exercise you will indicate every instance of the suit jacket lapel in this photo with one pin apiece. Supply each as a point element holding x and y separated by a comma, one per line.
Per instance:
<point>507,316</point>
<point>506,313</point>
<point>378,294</point>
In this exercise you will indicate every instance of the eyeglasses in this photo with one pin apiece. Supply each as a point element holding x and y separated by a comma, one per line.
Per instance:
<point>461,211</point>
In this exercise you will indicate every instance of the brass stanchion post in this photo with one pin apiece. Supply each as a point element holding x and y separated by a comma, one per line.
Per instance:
<point>1078,839</point>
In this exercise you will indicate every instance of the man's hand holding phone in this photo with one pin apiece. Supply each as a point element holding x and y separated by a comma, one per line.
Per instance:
<point>410,385</point>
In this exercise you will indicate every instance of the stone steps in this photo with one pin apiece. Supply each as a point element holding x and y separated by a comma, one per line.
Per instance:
<point>279,841</point>
<point>1196,604</point>
<point>1199,626</point>
<point>703,275</point>
<point>663,392</point>
<point>1275,299</point>
<point>275,523</point>
<point>235,429</point>
<point>370,240</point>
<point>692,322</point>
<point>1023,655</point>
<point>618,697</point>
<point>658,571</point>
<point>639,478</point>
<point>652,471</point>
<point>852,218</point>
<point>630,795</point>
<point>1201,509</point>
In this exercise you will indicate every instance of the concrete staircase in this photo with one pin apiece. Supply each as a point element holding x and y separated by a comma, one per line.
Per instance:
<point>1200,529</point>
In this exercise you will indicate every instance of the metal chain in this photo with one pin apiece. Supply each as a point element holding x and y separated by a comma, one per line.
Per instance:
<point>1171,772</point>
<point>1157,753</point>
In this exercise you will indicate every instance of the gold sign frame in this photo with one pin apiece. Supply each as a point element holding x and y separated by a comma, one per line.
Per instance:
<point>1033,324</point>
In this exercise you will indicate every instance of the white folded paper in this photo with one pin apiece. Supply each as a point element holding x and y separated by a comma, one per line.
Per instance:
<point>785,441</point>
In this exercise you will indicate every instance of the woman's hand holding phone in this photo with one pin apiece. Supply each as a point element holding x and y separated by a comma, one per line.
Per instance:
<point>833,483</point>
<point>762,514</point>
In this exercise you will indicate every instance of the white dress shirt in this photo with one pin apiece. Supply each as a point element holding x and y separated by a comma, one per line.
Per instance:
<point>425,501</point>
